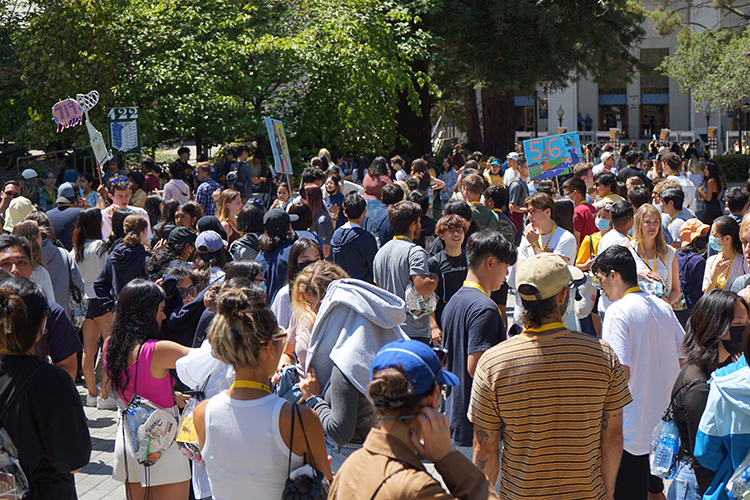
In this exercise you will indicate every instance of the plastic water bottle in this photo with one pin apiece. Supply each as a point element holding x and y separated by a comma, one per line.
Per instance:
<point>666,449</point>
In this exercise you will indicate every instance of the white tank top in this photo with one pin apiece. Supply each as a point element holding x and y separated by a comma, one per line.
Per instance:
<point>245,456</point>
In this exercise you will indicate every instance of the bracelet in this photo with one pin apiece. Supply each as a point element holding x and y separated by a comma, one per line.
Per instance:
<point>310,403</point>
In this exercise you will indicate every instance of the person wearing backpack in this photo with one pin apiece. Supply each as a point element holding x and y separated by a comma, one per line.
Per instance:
<point>41,410</point>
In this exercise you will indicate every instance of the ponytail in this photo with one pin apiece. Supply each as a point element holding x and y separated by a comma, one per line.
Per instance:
<point>134,225</point>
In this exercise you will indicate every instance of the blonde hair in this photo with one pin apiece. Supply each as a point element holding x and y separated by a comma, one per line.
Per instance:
<point>222,204</point>
<point>660,243</point>
<point>404,186</point>
<point>240,328</point>
<point>134,225</point>
<point>314,280</point>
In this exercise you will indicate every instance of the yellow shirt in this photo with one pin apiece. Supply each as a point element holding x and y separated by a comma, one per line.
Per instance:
<point>493,180</point>
<point>584,251</point>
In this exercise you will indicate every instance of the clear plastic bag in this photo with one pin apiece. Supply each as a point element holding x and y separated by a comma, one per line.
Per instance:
<point>738,486</point>
<point>655,288</point>
<point>187,436</point>
<point>149,429</point>
<point>13,482</point>
<point>663,456</point>
<point>419,305</point>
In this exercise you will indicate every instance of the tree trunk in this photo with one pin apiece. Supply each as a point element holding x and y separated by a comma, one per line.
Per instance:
<point>491,118</point>
<point>198,145</point>
<point>508,122</point>
<point>498,120</point>
<point>473,129</point>
<point>413,126</point>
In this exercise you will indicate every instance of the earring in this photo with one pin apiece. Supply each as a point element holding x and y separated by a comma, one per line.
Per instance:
<point>6,326</point>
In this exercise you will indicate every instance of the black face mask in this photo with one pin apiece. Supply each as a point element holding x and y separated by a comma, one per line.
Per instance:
<point>331,193</point>
<point>734,344</point>
<point>303,265</point>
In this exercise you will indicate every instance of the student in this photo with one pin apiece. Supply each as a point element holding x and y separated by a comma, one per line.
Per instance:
<point>63,217</point>
<point>152,180</point>
<point>352,247</point>
<point>673,215</point>
<point>274,248</point>
<point>584,212</point>
<point>176,188</point>
<point>427,233</point>
<point>376,221</point>
<point>250,225</point>
<point>518,191</point>
<point>495,198</point>
<point>737,201</point>
<point>472,187</point>
<point>118,191</point>
<point>43,415</point>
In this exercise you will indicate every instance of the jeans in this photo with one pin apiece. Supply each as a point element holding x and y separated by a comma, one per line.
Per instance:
<point>684,485</point>
<point>339,453</point>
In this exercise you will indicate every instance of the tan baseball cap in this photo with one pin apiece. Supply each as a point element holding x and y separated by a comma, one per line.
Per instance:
<point>547,273</point>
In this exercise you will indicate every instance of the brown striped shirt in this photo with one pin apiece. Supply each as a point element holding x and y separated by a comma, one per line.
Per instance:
<point>547,392</point>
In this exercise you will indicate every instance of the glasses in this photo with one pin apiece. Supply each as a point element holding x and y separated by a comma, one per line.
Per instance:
<point>454,231</point>
<point>442,355</point>
<point>188,292</point>
<point>596,280</point>
<point>116,180</point>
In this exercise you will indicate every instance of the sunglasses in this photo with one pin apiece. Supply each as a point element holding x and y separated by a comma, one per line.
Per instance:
<point>280,335</point>
<point>115,181</point>
<point>442,355</point>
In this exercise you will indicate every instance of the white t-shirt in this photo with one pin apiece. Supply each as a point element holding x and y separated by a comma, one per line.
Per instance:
<point>107,220</point>
<point>509,176</point>
<point>688,189</point>
<point>647,338</point>
<point>612,238</point>
<point>559,242</point>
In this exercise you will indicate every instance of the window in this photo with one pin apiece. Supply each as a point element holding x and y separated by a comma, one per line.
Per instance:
<point>653,82</point>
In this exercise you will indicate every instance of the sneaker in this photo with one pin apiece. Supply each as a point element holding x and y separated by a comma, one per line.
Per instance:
<point>91,401</point>
<point>106,404</point>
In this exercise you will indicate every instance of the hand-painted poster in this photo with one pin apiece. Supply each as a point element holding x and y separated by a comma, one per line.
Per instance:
<point>553,155</point>
<point>277,137</point>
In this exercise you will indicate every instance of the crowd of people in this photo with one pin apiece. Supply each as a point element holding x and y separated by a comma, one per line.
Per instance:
<point>337,327</point>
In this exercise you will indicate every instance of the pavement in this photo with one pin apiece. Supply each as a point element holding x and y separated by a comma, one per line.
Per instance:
<point>94,481</point>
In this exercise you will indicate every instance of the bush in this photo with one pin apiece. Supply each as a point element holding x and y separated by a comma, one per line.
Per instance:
<point>735,166</point>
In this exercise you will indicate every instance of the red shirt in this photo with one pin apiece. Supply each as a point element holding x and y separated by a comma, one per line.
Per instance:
<point>583,219</point>
<point>152,182</point>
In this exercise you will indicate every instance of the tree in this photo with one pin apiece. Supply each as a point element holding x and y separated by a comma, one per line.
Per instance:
<point>511,46</point>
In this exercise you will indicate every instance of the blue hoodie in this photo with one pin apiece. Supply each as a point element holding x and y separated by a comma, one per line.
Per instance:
<point>723,437</point>
<point>354,250</point>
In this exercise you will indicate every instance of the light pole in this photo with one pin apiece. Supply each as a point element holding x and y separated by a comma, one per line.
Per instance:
<point>561,113</point>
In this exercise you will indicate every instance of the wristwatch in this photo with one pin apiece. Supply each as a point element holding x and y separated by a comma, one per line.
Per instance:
<point>310,403</point>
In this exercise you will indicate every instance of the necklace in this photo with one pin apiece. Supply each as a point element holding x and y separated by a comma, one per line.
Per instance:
<point>250,384</point>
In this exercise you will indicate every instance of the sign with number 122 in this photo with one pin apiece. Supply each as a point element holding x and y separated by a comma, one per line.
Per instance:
<point>553,155</point>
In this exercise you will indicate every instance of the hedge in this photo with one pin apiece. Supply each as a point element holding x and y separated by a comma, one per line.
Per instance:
<point>735,166</point>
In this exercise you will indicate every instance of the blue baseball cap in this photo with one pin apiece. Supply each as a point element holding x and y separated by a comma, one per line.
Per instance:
<point>209,242</point>
<point>418,361</point>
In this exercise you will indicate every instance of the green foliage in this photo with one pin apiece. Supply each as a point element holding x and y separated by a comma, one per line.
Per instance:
<point>711,64</point>
<point>517,44</point>
<point>330,70</point>
<point>735,166</point>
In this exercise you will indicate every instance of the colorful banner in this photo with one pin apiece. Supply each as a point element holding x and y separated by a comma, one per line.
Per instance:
<point>277,138</point>
<point>67,113</point>
<point>553,155</point>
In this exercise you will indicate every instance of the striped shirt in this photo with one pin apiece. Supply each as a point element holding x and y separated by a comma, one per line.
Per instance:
<point>548,392</point>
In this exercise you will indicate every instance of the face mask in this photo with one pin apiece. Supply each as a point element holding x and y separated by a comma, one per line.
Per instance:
<point>303,265</point>
<point>264,287</point>
<point>601,224</point>
<point>734,344</point>
<point>714,243</point>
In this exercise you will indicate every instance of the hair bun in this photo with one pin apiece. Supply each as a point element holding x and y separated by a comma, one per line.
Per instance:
<point>10,304</point>
<point>232,303</point>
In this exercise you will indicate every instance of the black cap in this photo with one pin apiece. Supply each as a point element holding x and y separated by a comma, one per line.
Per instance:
<point>211,223</point>
<point>277,220</point>
<point>181,235</point>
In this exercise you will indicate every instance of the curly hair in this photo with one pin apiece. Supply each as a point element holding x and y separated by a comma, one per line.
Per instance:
<point>314,281</point>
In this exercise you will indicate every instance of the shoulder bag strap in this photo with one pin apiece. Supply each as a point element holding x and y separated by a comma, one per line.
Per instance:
<point>309,451</point>
<point>135,380</point>
<point>384,480</point>
<point>291,443</point>
<point>16,392</point>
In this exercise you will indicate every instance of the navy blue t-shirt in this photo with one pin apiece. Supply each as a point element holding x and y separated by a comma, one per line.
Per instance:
<point>377,223</point>
<point>354,250</point>
<point>451,272</point>
<point>274,266</point>
<point>471,323</point>
<point>59,340</point>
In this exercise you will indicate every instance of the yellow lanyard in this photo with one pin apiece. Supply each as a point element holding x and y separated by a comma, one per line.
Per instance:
<point>634,289</point>
<point>250,384</point>
<point>672,218</point>
<point>479,287</point>
<point>646,258</point>
<point>544,328</point>
<point>554,226</point>
<point>401,237</point>
<point>726,274</point>
<point>475,203</point>
<point>496,210</point>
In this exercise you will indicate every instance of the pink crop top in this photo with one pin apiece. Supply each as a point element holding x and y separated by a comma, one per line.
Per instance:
<point>156,390</point>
